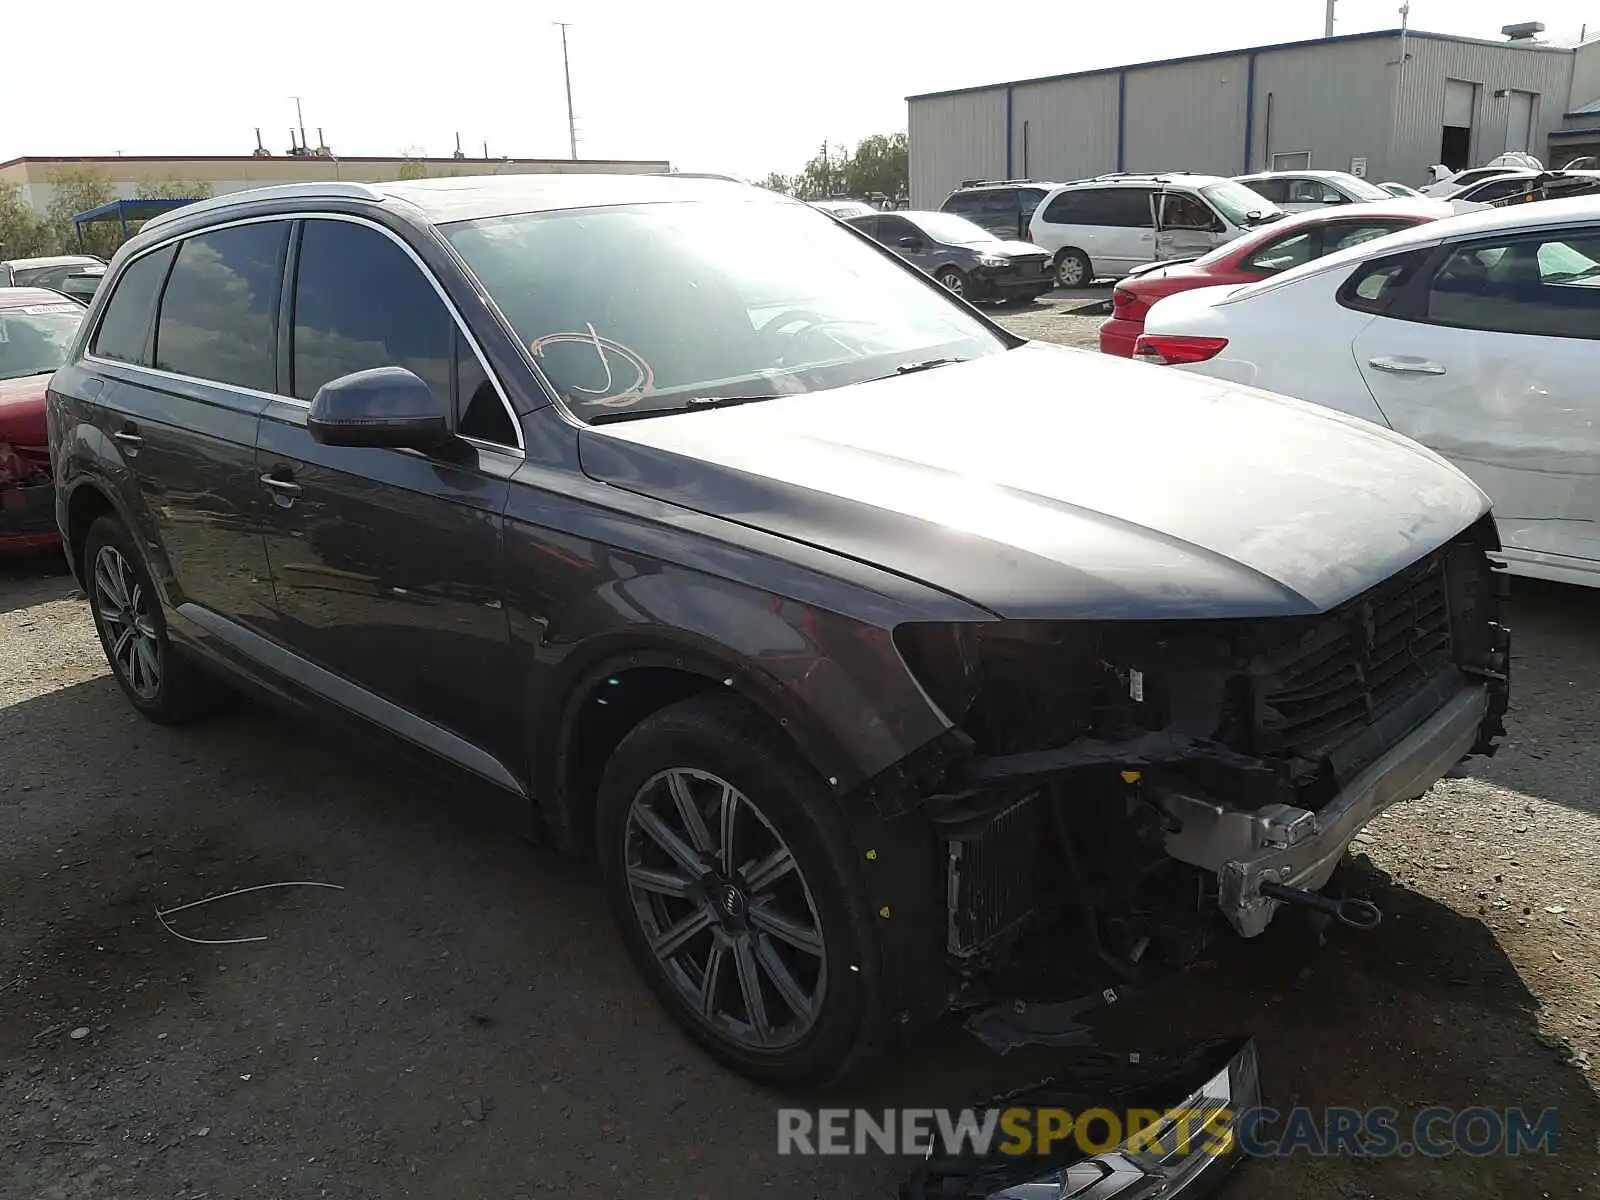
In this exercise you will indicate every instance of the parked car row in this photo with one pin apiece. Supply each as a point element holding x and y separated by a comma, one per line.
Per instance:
<point>1476,335</point>
<point>1112,225</point>
<point>1267,251</point>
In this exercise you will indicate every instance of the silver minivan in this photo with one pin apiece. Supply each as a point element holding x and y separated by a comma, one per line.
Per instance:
<point>1105,227</point>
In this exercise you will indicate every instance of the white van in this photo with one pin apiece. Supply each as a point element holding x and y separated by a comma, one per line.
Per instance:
<point>1107,226</point>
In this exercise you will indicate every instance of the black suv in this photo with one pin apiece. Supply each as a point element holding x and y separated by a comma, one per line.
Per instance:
<point>866,648</point>
<point>1003,207</point>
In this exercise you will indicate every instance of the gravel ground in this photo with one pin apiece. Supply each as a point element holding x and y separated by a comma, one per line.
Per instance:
<point>460,1020</point>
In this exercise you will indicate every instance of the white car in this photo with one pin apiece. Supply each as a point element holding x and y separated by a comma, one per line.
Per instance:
<point>1476,335</point>
<point>1107,226</point>
<point>1451,184</point>
<point>844,209</point>
<point>1301,191</point>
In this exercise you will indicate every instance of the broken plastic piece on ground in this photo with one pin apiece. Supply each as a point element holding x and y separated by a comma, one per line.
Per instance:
<point>1214,1077</point>
<point>1014,1023</point>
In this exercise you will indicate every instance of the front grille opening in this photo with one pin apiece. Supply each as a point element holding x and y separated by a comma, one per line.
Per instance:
<point>1349,685</point>
<point>1362,659</point>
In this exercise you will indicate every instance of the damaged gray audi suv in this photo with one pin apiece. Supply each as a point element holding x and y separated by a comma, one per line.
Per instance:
<point>869,651</point>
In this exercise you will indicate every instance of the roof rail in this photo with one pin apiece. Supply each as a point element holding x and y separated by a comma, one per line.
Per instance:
<point>701,175</point>
<point>277,191</point>
<point>1135,175</point>
<point>992,182</point>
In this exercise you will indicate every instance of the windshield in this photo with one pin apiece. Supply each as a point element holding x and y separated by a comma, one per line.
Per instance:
<point>954,230</point>
<point>1400,239</point>
<point>1239,204</point>
<point>646,308</point>
<point>1358,187</point>
<point>34,340</point>
<point>52,273</point>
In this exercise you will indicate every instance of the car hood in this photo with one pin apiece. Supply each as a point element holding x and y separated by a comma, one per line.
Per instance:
<point>1012,249</point>
<point>22,411</point>
<point>1055,483</point>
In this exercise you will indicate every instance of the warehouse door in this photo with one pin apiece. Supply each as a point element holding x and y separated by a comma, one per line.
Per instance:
<point>1519,121</point>
<point>1455,141</point>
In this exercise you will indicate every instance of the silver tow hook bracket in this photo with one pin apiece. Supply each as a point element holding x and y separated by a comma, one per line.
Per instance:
<point>1357,914</point>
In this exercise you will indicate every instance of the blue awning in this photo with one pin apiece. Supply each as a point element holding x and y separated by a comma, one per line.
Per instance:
<point>123,211</point>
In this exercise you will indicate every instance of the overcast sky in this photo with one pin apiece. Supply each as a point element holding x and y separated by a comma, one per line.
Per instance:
<point>712,85</point>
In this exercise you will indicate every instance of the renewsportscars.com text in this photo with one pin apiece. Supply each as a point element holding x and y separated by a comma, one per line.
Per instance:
<point>1261,1132</point>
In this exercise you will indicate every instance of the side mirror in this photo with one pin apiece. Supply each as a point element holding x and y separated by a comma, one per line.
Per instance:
<point>912,243</point>
<point>385,406</point>
<point>1333,200</point>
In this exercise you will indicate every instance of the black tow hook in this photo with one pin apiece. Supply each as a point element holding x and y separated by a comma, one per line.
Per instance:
<point>1357,914</point>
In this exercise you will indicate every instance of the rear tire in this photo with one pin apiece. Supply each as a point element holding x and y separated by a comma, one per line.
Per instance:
<point>1073,269</point>
<point>753,929</point>
<point>159,682</point>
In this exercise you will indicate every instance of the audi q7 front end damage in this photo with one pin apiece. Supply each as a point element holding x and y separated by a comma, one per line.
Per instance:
<point>1131,780</point>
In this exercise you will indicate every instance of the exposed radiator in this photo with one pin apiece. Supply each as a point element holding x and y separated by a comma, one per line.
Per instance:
<point>992,878</point>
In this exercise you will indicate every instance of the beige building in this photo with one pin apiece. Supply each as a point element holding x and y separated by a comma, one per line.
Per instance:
<point>234,173</point>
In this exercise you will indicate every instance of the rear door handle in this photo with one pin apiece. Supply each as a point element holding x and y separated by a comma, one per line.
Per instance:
<point>1405,366</point>
<point>128,435</point>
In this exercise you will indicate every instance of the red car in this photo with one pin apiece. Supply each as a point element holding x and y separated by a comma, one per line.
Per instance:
<point>36,330</point>
<point>1262,252</point>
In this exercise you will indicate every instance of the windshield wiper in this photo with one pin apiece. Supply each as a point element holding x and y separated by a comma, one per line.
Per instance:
<point>926,364</point>
<point>692,404</point>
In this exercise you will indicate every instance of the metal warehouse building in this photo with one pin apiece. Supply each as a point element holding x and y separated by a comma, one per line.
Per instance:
<point>1388,104</point>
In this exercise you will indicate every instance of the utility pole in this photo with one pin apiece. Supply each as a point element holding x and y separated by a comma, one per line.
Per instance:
<point>566,69</point>
<point>1327,22</point>
<point>300,119</point>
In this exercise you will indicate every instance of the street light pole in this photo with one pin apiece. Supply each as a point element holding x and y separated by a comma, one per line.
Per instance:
<point>566,70</point>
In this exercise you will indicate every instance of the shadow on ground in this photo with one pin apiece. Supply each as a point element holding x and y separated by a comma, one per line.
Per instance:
<point>461,1017</point>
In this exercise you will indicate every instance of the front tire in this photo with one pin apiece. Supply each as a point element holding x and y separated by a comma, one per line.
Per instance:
<point>133,631</point>
<point>953,281</point>
<point>731,877</point>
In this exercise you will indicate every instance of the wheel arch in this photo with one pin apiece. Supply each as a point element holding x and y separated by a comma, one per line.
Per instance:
<point>86,502</point>
<point>603,691</point>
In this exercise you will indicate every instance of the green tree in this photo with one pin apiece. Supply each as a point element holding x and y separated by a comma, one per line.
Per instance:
<point>824,175</point>
<point>168,188</point>
<point>778,182</point>
<point>879,166</point>
<point>22,233</point>
<point>76,190</point>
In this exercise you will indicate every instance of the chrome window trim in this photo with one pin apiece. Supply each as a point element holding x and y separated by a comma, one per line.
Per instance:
<point>350,219</point>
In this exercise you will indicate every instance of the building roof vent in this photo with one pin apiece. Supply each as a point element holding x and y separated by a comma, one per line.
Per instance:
<point>1526,31</point>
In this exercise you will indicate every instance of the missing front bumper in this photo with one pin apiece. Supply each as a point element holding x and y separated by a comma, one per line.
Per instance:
<point>1291,846</point>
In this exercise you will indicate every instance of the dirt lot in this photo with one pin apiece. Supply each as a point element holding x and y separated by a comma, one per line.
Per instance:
<point>459,1019</point>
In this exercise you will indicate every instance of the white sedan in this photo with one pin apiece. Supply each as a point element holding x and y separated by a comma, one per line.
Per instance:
<point>1477,335</point>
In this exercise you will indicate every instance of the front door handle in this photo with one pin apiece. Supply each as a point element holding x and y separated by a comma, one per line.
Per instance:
<point>128,435</point>
<point>1405,366</point>
<point>283,488</point>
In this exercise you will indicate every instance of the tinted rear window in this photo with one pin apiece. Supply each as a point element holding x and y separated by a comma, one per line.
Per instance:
<point>1122,207</point>
<point>219,313</point>
<point>125,328</point>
